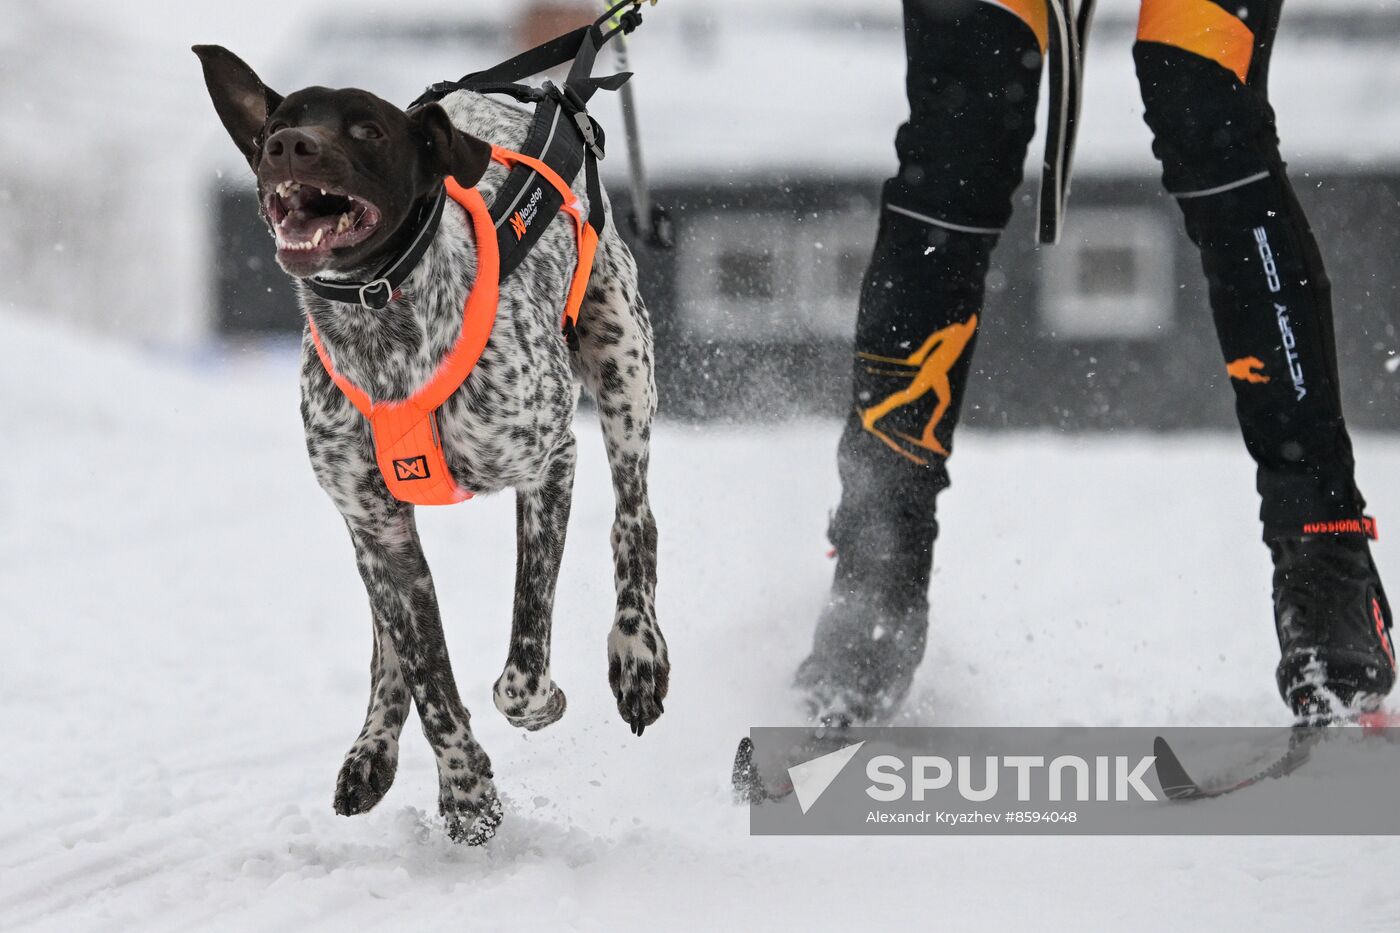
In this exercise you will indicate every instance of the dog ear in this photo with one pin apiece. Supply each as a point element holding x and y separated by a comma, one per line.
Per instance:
<point>242,101</point>
<point>449,151</point>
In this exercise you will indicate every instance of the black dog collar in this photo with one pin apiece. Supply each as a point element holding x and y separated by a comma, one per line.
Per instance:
<point>378,291</point>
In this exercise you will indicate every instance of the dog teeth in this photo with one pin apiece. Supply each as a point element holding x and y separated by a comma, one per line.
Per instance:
<point>344,222</point>
<point>285,244</point>
<point>323,192</point>
<point>316,240</point>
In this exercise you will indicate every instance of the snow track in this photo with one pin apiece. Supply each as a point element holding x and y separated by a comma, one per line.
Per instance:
<point>186,647</point>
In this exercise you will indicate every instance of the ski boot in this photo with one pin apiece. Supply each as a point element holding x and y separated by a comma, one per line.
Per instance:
<point>1333,625</point>
<point>864,658</point>
<point>870,637</point>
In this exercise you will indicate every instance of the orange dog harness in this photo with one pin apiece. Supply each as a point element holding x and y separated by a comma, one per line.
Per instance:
<point>407,438</point>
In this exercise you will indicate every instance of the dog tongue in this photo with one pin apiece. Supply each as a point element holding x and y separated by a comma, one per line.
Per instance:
<point>302,225</point>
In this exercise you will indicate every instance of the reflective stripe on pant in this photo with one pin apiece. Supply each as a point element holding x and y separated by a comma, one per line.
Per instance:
<point>1203,70</point>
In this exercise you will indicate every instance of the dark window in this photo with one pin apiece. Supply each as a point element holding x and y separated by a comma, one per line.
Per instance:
<point>1108,270</point>
<point>745,275</point>
<point>253,294</point>
<point>1111,277</point>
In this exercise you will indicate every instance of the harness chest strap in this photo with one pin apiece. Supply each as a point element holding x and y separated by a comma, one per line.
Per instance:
<point>407,442</point>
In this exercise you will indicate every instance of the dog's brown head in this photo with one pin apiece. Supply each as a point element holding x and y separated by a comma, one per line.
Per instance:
<point>339,171</point>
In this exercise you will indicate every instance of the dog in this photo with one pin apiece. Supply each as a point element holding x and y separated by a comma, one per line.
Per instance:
<point>339,174</point>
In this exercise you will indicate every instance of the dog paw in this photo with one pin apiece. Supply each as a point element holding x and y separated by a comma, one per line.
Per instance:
<point>471,808</point>
<point>639,672</point>
<point>531,710</point>
<point>365,778</point>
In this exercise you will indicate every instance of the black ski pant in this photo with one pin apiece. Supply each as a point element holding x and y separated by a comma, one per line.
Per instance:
<point>973,79</point>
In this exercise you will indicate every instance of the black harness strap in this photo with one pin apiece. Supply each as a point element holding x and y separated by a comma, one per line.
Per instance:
<point>543,57</point>
<point>526,202</point>
<point>563,134</point>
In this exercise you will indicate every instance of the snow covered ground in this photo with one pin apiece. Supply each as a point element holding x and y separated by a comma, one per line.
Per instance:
<point>186,647</point>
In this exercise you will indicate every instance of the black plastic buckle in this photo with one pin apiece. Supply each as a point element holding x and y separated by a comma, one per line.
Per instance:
<point>586,129</point>
<point>589,131</point>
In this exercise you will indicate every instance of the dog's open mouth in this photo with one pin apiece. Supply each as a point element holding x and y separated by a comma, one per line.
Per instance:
<point>310,220</point>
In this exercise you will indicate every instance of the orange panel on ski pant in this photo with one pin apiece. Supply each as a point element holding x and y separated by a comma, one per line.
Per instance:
<point>1199,27</point>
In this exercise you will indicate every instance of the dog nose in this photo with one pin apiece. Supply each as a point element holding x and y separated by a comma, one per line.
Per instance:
<point>293,146</point>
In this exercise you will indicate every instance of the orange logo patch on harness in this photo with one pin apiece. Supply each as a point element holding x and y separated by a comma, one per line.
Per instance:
<point>411,468</point>
<point>517,223</point>
<point>1247,369</point>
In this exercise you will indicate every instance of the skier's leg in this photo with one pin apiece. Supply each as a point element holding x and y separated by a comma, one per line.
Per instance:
<point>1203,68</point>
<point>1208,109</point>
<point>973,80</point>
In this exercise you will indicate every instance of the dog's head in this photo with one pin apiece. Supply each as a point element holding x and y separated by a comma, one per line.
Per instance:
<point>338,171</point>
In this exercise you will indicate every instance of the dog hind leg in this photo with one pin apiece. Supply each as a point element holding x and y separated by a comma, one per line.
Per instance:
<point>615,353</point>
<point>525,693</point>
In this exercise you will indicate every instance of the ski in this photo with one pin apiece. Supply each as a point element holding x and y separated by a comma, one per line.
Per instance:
<point>759,778</point>
<point>1178,784</point>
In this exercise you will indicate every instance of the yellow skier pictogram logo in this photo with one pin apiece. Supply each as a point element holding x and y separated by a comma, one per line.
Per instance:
<point>934,361</point>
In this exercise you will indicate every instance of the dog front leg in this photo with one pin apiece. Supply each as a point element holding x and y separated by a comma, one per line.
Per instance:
<point>395,573</point>
<point>525,693</point>
<point>369,766</point>
<point>639,667</point>
<point>616,351</point>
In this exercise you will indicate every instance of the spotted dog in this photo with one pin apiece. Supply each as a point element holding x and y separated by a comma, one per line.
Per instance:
<point>340,175</point>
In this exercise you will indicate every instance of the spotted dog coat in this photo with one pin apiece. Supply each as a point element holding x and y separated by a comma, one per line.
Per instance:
<point>509,425</point>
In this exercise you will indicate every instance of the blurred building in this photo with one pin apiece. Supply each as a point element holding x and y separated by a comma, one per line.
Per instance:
<point>1110,328</point>
<point>102,190</point>
<point>768,129</point>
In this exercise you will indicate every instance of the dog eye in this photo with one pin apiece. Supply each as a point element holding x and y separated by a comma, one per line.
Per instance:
<point>365,131</point>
